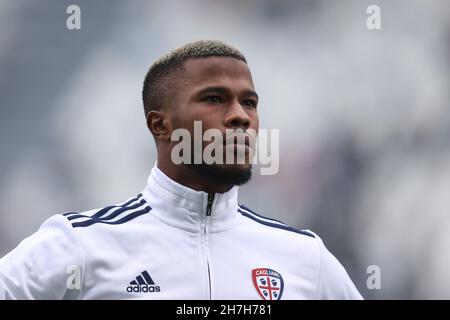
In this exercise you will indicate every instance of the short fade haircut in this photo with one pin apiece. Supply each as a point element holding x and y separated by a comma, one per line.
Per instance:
<point>160,79</point>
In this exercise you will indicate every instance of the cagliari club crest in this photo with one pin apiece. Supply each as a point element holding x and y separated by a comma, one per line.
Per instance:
<point>268,283</point>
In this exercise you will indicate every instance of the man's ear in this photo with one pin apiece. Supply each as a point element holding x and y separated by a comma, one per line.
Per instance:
<point>159,124</point>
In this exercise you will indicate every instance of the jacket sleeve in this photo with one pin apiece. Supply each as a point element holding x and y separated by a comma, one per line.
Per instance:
<point>334,282</point>
<point>47,265</point>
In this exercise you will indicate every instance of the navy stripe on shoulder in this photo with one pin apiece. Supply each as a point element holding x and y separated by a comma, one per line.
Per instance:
<point>102,211</point>
<point>112,215</point>
<point>97,217</point>
<point>127,218</point>
<point>276,225</point>
<point>106,209</point>
<point>242,207</point>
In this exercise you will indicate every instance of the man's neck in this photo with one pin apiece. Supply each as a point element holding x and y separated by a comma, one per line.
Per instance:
<point>187,177</point>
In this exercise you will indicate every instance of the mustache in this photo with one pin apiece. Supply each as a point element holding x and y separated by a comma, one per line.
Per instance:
<point>239,136</point>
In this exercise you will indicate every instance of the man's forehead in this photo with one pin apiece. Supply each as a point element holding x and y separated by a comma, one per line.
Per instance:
<point>204,69</point>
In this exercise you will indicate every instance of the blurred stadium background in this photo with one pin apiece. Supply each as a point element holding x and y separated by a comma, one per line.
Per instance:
<point>363,117</point>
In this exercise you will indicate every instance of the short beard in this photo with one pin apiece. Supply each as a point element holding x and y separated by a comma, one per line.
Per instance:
<point>224,175</point>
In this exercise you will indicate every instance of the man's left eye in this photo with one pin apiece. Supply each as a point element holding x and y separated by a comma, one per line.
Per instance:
<point>250,103</point>
<point>214,99</point>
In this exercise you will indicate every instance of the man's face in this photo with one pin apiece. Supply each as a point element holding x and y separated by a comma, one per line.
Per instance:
<point>219,92</point>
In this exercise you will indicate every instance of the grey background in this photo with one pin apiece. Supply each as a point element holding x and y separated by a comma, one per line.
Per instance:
<point>363,118</point>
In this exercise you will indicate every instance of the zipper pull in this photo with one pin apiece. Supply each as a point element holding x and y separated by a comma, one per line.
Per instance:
<point>209,204</point>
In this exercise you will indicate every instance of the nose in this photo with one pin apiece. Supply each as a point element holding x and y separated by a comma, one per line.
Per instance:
<point>237,117</point>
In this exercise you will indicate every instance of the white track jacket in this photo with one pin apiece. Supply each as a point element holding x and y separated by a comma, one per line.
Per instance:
<point>171,242</point>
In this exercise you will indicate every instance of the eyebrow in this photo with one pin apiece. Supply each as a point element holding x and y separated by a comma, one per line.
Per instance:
<point>224,91</point>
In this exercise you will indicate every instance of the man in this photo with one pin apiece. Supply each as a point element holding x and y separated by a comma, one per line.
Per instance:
<point>184,236</point>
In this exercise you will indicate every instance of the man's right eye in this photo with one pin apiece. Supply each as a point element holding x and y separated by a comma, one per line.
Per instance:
<point>214,99</point>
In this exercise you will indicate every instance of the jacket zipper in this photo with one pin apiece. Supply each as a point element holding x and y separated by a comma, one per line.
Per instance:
<point>209,204</point>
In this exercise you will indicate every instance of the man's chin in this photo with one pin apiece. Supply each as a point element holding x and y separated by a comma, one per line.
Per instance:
<point>233,167</point>
<point>226,174</point>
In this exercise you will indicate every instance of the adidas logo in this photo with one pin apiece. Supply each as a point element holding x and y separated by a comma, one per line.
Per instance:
<point>143,283</point>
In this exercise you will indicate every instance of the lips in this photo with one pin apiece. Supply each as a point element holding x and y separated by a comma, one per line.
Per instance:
<point>239,139</point>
